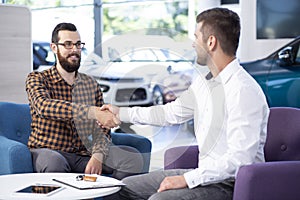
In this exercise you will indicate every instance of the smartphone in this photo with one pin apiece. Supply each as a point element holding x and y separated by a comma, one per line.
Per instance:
<point>39,190</point>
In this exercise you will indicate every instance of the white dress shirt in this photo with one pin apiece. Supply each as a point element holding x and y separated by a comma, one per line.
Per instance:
<point>230,118</point>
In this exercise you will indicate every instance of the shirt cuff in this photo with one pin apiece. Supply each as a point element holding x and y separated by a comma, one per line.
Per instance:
<point>190,178</point>
<point>98,156</point>
<point>124,114</point>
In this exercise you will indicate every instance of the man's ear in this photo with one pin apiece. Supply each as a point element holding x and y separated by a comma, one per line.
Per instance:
<point>211,42</point>
<point>53,47</point>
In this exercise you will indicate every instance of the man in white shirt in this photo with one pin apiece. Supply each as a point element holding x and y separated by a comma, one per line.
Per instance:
<point>230,114</point>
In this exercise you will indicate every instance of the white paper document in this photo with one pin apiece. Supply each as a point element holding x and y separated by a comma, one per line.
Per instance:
<point>101,182</point>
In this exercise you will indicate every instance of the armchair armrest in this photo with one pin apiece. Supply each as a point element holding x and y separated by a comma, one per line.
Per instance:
<point>183,157</point>
<point>270,180</point>
<point>142,144</point>
<point>15,157</point>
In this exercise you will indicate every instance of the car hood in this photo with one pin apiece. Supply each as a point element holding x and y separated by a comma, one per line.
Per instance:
<point>258,67</point>
<point>126,70</point>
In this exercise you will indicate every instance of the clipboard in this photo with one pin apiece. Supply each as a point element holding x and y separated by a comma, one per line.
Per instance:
<point>101,182</point>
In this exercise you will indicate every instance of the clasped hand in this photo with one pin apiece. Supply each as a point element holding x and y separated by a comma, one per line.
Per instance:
<point>108,116</point>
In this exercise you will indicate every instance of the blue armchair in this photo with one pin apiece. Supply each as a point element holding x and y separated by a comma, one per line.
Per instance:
<point>15,157</point>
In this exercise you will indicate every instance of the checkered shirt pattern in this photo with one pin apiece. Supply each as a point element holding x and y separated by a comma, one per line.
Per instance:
<point>60,113</point>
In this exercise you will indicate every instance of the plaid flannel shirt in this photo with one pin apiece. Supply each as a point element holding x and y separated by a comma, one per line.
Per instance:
<point>59,113</point>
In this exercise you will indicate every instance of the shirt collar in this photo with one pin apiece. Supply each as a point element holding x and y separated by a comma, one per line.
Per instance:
<point>56,77</point>
<point>226,73</point>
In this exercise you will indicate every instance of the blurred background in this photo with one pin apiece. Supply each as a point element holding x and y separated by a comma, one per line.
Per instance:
<point>140,51</point>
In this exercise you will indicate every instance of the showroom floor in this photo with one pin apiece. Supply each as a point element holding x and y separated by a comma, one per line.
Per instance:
<point>164,138</point>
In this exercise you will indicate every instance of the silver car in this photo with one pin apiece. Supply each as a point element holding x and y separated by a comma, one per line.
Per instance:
<point>142,76</point>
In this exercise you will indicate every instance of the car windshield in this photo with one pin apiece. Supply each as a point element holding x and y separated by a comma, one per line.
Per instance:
<point>150,55</point>
<point>174,54</point>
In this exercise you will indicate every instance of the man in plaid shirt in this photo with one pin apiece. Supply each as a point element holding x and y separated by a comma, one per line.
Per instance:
<point>65,106</point>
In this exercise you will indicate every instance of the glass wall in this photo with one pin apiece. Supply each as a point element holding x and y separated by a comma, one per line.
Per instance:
<point>278,19</point>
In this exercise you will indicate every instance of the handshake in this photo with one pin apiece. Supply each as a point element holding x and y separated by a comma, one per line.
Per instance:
<point>106,116</point>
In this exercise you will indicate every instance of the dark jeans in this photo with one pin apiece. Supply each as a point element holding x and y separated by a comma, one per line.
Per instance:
<point>122,161</point>
<point>145,187</point>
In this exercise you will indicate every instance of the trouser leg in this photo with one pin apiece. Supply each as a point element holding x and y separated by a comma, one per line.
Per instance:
<point>217,191</point>
<point>123,161</point>
<point>46,160</point>
<point>142,186</point>
<point>145,187</point>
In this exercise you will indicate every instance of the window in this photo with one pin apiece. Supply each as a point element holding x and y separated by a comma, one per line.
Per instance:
<point>277,19</point>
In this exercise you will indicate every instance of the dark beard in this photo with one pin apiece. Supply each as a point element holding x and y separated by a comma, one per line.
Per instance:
<point>66,65</point>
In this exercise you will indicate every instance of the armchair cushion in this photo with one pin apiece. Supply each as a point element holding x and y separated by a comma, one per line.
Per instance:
<point>283,138</point>
<point>15,157</point>
<point>15,121</point>
<point>183,157</point>
<point>270,180</point>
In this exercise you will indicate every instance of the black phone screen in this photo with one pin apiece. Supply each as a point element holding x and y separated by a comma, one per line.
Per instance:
<point>39,189</point>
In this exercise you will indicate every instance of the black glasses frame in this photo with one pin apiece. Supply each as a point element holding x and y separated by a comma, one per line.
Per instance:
<point>70,45</point>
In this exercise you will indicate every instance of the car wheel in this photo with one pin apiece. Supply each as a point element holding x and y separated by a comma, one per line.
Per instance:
<point>157,96</point>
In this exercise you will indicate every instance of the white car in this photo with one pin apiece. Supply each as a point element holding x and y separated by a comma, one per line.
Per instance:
<point>142,76</point>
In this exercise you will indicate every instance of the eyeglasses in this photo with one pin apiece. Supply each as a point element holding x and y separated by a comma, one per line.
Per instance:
<point>70,44</point>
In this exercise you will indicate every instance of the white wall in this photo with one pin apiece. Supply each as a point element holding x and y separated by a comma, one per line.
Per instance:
<point>15,52</point>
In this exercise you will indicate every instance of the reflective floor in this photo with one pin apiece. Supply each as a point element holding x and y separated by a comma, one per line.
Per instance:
<point>163,138</point>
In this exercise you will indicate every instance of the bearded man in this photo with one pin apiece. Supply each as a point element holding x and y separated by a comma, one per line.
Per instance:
<point>65,109</point>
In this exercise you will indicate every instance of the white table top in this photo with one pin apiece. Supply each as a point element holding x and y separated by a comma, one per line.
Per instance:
<point>10,183</point>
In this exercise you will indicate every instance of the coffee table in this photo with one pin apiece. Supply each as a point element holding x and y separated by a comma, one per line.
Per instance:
<point>10,183</point>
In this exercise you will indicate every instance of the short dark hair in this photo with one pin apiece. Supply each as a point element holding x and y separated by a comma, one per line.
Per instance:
<point>61,27</point>
<point>224,24</point>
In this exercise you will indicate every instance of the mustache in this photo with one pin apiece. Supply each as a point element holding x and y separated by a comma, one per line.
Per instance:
<point>73,54</point>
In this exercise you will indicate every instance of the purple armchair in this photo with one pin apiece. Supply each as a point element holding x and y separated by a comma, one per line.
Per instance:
<point>276,179</point>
